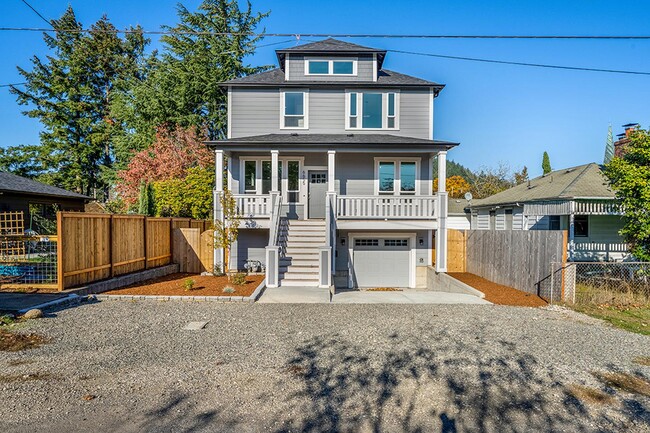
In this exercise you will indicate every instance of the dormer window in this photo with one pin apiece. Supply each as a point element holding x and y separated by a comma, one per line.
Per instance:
<point>372,110</point>
<point>331,67</point>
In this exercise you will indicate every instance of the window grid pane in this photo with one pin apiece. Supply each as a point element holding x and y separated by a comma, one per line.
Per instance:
<point>318,67</point>
<point>386,176</point>
<point>293,104</point>
<point>249,176</point>
<point>372,110</point>
<point>407,176</point>
<point>293,175</point>
<point>391,104</point>
<point>343,67</point>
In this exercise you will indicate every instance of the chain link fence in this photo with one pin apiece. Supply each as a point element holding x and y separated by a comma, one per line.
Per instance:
<point>599,283</point>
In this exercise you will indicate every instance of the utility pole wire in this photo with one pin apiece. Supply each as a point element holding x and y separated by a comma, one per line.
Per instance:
<point>334,35</point>
<point>37,13</point>
<point>536,65</point>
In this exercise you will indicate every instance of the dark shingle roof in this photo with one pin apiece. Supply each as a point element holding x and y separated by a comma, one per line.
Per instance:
<point>583,181</point>
<point>331,45</point>
<point>346,141</point>
<point>17,184</point>
<point>275,78</point>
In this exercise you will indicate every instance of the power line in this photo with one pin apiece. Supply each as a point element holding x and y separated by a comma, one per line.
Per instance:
<point>37,12</point>
<point>333,35</point>
<point>536,65</point>
<point>13,84</point>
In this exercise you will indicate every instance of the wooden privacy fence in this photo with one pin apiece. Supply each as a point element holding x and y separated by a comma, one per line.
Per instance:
<point>93,247</point>
<point>516,258</point>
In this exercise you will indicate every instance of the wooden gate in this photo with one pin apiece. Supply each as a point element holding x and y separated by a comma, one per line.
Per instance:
<point>193,250</point>
<point>456,250</point>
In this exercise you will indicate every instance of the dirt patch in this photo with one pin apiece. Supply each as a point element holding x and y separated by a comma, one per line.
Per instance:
<point>14,341</point>
<point>589,395</point>
<point>625,382</point>
<point>175,285</point>
<point>642,360</point>
<point>6,378</point>
<point>499,294</point>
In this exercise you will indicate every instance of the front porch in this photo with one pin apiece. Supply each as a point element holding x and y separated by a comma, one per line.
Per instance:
<point>386,189</point>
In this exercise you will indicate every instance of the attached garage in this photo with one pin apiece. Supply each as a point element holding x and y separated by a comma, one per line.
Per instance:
<point>382,261</point>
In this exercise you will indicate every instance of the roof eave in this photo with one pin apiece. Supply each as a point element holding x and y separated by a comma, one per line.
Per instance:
<point>361,84</point>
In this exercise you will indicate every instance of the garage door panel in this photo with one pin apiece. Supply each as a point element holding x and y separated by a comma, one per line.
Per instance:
<point>382,264</point>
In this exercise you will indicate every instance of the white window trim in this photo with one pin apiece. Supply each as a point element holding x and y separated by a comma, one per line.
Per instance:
<point>283,182</point>
<point>305,104</point>
<point>330,66</point>
<point>384,109</point>
<point>412,255</point>
<point>397,190</point>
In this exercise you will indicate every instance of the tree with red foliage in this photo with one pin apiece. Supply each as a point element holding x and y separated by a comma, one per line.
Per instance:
<point>170,156</point>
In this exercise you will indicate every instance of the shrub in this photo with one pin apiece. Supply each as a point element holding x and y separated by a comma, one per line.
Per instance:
<point>188,284</point>
<point>229,289</point>
<point>239,278</point>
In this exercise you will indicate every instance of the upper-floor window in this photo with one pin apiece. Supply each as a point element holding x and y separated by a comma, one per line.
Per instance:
<point>396,176</point>
<point>372,110</point>
<point>330,67</point>
<point>294,109</point>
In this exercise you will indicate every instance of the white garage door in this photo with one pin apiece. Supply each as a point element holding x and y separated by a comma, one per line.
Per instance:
<point>380,262</point>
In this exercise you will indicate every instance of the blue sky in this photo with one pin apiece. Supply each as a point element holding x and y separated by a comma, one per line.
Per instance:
<point>499,113</point>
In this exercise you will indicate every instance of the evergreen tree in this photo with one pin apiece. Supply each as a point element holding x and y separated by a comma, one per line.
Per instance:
<point>609,146</point>
<point>546,163</point>
<point>181,86</point>
<point>70,93</point>
<point>630,178</point>
<point>146,205</point>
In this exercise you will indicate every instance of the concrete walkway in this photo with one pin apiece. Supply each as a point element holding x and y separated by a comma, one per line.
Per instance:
<point>314,295</point>
<point>405,297</point>
<point>295,295</point>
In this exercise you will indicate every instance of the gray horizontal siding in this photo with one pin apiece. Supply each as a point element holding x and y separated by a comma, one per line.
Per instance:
<point>251,245</point>
<point>296,65</point>
<point>257,112</point>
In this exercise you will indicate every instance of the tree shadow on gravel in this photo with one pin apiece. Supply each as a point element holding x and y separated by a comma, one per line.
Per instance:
<point>456,386</point>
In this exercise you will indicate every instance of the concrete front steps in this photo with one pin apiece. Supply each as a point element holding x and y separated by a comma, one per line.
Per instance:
<point>299,266</point>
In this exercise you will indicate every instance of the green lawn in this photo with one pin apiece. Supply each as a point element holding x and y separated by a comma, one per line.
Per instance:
<point>634,319</point>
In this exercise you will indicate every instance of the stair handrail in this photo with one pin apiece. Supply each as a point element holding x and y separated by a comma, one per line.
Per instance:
<point>274,228</point>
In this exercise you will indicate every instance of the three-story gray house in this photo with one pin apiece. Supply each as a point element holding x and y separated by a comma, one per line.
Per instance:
<point>330,159</point>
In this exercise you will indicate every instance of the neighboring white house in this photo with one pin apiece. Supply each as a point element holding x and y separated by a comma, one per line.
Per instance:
<point>330,159</point>
<point>577,199</point>
<point>459,214</point>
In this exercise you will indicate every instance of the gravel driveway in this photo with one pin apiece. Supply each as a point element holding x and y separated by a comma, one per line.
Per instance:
<point>319,368</point>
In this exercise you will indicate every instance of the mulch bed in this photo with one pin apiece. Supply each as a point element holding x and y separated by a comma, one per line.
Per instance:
<point>499,294</point>
<point>173,285</point>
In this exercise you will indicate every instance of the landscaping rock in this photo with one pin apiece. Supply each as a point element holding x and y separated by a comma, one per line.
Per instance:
<point>34,313</point>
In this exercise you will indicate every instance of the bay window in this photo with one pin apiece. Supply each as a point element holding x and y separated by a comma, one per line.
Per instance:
<point>376,110</point>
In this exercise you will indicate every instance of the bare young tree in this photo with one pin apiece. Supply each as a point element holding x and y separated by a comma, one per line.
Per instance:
<point>225,233</point>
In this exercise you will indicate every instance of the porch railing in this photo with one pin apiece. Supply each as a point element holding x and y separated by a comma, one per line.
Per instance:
<point>253,206</point>
<point>382,207</point>
<point>597,207</point>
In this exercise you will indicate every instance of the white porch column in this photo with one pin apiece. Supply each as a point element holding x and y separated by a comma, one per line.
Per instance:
<point>330,208</point>
<point>441,233</point>
<point>218,254</point>
<point>331,170</point>
<point>572,232</point>
<point>442,171</point>
<point>274,171</point>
